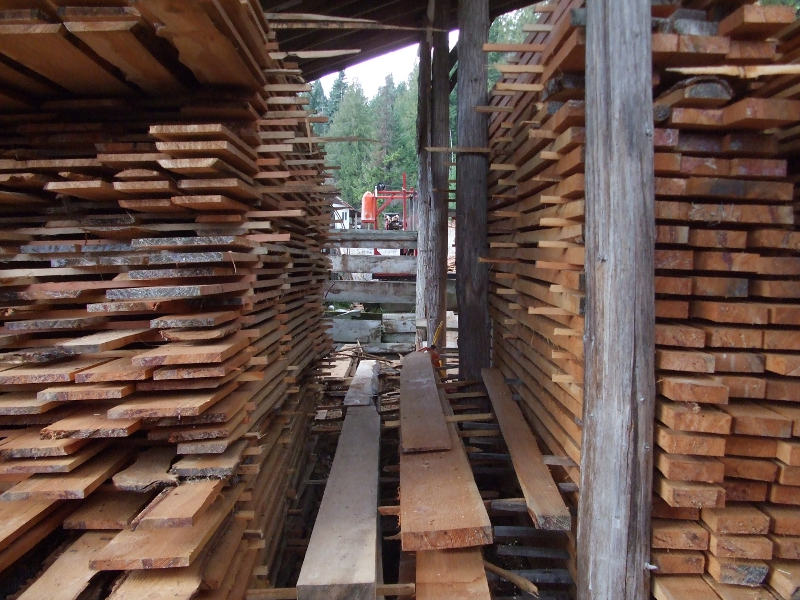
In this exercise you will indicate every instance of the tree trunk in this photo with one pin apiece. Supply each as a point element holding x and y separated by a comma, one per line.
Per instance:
<point>616,452</point>
<point>471,191</point>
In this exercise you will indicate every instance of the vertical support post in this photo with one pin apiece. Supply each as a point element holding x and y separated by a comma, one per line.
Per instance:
<point>436,289</point>
<point>424,183</point>
<point>471,191</point>
<point>616,452</point>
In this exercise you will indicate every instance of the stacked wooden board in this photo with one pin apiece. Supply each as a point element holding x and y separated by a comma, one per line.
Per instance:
<point>726,502</point>
<point>161,219</point>
<point>442,516</point>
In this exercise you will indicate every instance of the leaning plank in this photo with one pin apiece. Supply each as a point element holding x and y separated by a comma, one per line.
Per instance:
<point>544,501</point>
<point>422,422</point>
<point>68,486</point>
<point>151,549</point>
<point>440,506</point>
<point>69,575</point>
<point>451,574</point>
<point>364,385</point>
<point>342,560</point>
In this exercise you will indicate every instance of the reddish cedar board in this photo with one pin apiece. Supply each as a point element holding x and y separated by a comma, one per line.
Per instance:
<point>544,501</point>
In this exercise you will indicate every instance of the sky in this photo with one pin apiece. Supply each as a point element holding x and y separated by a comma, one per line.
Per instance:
<point>371,74</point>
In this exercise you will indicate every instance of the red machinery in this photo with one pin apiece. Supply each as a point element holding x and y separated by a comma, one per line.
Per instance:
<point>370,209</point>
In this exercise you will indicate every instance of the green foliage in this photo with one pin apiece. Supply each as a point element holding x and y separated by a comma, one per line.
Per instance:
<point>337,95</point>
<point>507,29</point>
<point>354,159</point>
<point>389,119</point>
<point>318,104</point>
<point>793,3</point>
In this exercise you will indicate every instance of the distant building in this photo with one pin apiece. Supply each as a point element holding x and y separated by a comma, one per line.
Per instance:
<point>345,215</point>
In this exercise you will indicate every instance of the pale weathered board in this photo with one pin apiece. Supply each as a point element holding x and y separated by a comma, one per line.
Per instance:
<point>364,384</point>
<point>422,423</point>
<point>342,557</point>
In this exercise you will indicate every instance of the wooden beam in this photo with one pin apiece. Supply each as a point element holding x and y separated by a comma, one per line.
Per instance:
<point>391,265</point>
<point>472,172</point>
<point>311,54</point>
<point>364,385</point>
<point>619,390</point>
<point>395,292</point>
<point>373,238</point>
<point>342,557</point>
<point>422,424</point>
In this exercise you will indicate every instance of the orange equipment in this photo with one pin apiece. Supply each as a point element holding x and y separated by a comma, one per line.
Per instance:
<point>369,209</point>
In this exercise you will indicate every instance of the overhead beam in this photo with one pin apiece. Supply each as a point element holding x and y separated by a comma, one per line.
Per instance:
<point>616,478</point>
<point>388,12</point>
<point>471,188</point>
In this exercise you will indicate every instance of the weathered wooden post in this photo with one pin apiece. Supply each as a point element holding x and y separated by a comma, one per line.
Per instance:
<point>432,244</point>
<point>616,453</point>
<point>424,183</point>
<point>472,169</point>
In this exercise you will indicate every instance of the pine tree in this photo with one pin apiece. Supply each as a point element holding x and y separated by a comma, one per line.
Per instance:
<point>318,104</point>
<point>338,91</point>
<point>507,29</point>
<point>405,144</point>
<point>386,154</point>
<point>356,173</point>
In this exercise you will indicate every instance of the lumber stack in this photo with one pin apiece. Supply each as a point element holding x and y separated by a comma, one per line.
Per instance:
<point>536,230</point>
<point>160,227</point>
<point>726,501</point>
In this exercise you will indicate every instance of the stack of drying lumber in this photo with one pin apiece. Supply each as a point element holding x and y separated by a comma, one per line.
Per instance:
<point>535,227</point>
<point>727,310</point>
<point>161,215</point>
<point>726,493</point>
